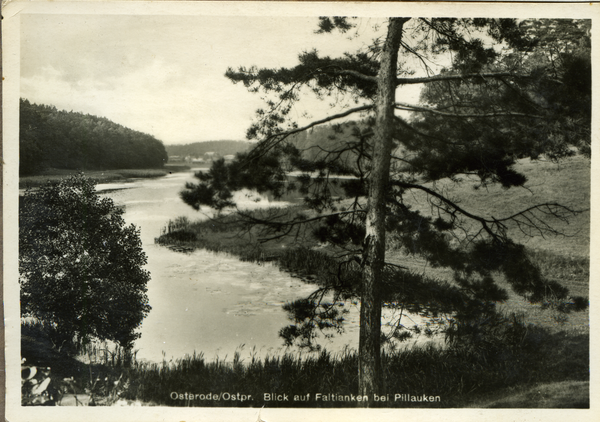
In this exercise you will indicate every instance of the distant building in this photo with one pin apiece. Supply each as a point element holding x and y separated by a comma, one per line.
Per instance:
<point>211,156</point>
<point>229,157</point>
<point>175,159</point>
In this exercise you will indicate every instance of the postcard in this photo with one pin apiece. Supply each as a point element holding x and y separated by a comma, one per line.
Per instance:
<point>289,211</point>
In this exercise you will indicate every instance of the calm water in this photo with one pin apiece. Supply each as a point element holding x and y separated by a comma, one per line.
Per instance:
<point>202,301</point>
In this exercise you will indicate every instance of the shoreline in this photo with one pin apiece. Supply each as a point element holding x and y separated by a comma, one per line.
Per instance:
<point>99,176</point>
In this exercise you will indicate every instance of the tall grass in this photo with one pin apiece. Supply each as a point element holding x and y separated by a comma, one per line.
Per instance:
<point>486,360</point>
<point>571,270</point>
<point>459,374</point>
<point>91,373</point>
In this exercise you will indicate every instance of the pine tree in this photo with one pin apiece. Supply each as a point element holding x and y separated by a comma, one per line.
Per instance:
<point>488,107</point>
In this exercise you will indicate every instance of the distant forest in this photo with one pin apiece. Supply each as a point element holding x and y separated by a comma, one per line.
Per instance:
<point>320,143</point>
<point>327,142</point>
<point>198,149</point>
<point>50,138</point>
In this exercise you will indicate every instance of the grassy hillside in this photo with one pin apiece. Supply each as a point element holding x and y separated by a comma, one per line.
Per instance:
<point>566,183</point>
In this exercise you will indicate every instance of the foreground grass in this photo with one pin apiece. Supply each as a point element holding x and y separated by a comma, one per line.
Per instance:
<point>556,395</point>
<point>518,365</point>
<point>455,376</point>
<point>103,176</point>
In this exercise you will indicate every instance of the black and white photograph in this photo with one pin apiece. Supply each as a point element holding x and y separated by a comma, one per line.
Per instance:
<point>272,211</point>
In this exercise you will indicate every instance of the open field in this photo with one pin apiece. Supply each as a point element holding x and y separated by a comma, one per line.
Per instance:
<point>567,183</point>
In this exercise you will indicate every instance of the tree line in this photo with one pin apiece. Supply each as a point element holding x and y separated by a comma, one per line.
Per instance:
<point>51,138</point>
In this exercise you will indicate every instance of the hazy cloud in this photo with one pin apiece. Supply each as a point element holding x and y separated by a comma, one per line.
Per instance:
<point>163,75</point>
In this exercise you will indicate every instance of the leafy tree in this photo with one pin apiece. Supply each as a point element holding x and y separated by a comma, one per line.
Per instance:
<point>80,266</point>
<point>488,106</point>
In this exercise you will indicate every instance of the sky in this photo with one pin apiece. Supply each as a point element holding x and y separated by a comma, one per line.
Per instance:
<point>164,75</point>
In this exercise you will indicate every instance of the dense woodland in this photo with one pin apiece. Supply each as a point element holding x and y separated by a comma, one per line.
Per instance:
<point>51,138</point>
<point>198,149</point>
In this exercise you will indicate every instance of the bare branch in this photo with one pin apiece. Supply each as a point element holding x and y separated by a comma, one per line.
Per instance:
<point>286,226</point>
<point>325,120</point>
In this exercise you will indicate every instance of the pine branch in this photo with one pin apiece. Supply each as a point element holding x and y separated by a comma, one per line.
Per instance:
<point>356,74</point>
<point>464,77</point>
<point>273,140</point>
<point>286,226</point>
<point>412,107</point>
<point>490,75</point>
<point>526,219</point>
<point>426,135</point>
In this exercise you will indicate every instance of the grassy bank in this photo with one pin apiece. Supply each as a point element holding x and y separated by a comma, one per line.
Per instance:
<point>485,372</point>
<point>100,176</point>
<point>174,168</point>
<point>456,376</point>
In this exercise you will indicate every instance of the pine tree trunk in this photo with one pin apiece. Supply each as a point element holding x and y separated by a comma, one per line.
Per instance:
<point>369,379</point>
